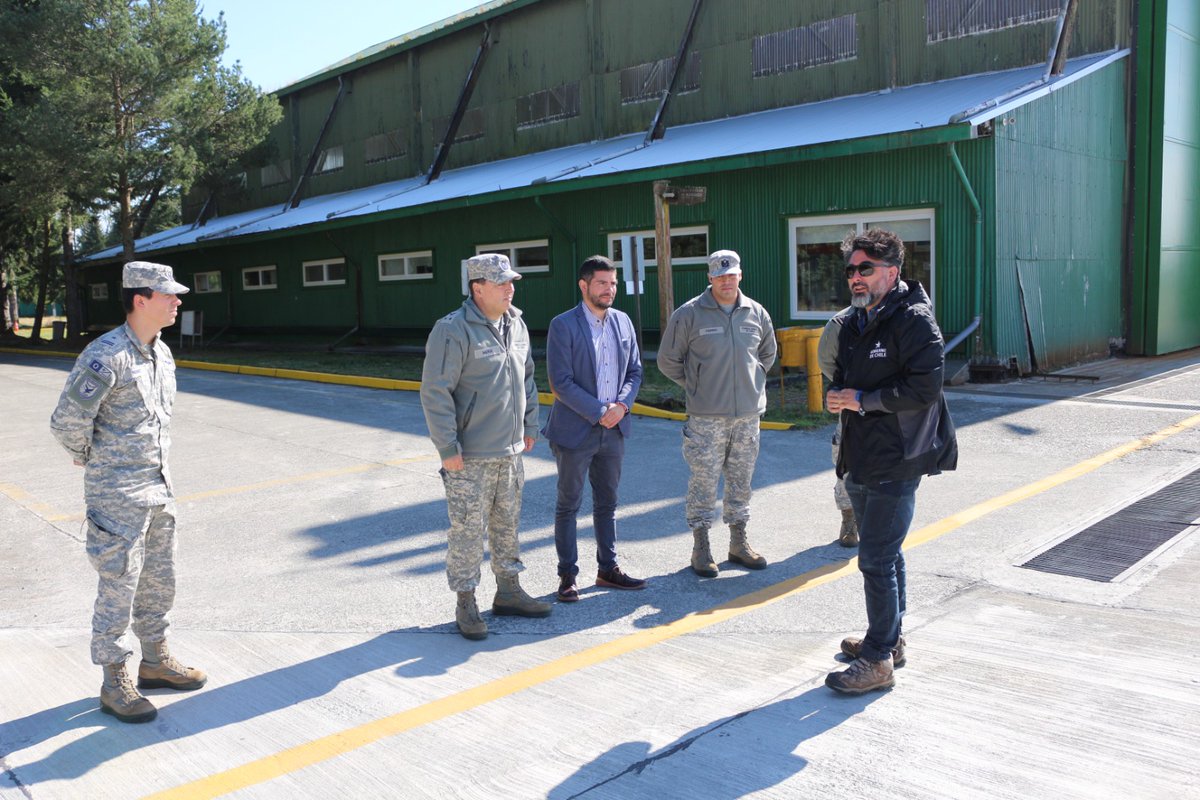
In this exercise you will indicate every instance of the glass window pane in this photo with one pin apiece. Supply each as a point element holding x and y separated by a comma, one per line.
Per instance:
<point>252,278</point>
<point>820,234</point>
<point>536,256</point>
<point>390,267</point>
<point>617,252</point>
<point>420,265</point>
<point>648,250</point>
<point>689,245</point>
<point>314,273</point>
<point>335,272</point>
<point>820,276</point>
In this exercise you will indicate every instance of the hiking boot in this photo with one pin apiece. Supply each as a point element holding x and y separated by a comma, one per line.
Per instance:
<point>848,537</point>
<point>740,551</point>
<point>119,697</point>
<point>702,560</point>
<point>568,592</point>
<point>616,579</point>
<point>852,646</point>
<point>161,670</point>
<point>466,616</point>
<point>862,676</point>
<point>512,601</point>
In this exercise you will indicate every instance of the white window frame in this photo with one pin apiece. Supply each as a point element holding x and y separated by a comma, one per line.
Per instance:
<point>407,259</point>
<point>325,264</point>
<point>262,285</point>
<point>689,230</point>
<point>510,249</point>
<point>99,291</point>
<point>858,220</point>
<point>207,276</point>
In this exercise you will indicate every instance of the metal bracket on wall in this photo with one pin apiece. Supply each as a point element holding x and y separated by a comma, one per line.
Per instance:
<point>442,152</point>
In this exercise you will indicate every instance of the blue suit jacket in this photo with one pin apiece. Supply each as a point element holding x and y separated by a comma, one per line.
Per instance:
<point>571,368</point>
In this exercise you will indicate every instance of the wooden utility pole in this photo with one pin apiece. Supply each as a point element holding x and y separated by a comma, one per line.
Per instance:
<point>664,195</point>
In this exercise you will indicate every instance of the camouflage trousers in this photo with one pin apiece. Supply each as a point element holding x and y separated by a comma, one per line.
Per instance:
<point>483,498</point>
<point>840,496</point>
<point>133,550</point>
<point>716,447</point>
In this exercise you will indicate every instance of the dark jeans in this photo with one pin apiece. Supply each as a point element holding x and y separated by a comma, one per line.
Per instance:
<point>883,513</point>
<point>599,458</point>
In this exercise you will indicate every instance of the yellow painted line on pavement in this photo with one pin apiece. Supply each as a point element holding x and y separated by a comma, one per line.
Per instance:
<point>327,747</point>
<point>31,503</point>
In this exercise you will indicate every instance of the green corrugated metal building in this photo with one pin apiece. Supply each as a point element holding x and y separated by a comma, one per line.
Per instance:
<point>1017,179</point>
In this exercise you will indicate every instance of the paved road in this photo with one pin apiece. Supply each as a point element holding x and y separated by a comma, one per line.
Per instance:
<point>312,536</point>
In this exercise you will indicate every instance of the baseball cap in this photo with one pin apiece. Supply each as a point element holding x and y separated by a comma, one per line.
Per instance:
<point>724,262</point>
<point>492,267</point>
<point>148,275</point>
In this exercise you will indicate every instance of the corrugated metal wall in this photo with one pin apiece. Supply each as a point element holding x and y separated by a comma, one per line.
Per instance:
<point>555,42</point>
<point>1060,173</point>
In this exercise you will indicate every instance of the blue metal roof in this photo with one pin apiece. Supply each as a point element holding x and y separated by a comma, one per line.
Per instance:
<point>959,102</point>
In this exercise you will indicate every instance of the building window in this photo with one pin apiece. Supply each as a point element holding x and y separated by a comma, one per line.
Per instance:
<point>99,291</point>
<point>207,282</point>
<point>258,278</point>
<point>331,272</point>
<point>548,105</point>
<point>818,279</point>
<point>951,19</point>
<point>273,174</point>
<point>531,256</point>
<point>647,82</point>
<point>471,126</point>
<point>383,147</point>
<point>406,266</point>
<point>688,246</point>
<point>330,160</point>
<point>825,42</point>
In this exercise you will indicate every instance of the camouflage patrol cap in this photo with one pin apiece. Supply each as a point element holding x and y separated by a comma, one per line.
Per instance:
<point>147,275</point>
<point>724,262</point>
<point>492,267</point>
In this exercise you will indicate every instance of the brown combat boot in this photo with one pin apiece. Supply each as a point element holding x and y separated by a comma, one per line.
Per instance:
<point>862,676</point>
<point>702,560</point>
<point>740,551</point>
<point>512,601</point>
<point>852,646</point>
<point>161,670</point>
<point>119,697</point>
<point>466,616</point>
<point>848,537</point>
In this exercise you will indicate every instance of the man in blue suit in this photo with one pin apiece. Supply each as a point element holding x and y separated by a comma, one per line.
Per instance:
<point>595,371</point>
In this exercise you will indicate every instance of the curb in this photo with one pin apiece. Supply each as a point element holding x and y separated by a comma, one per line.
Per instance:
<point>393,384</point>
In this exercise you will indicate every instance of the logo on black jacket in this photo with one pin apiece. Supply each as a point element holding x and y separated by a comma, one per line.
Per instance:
<point>878,351</point>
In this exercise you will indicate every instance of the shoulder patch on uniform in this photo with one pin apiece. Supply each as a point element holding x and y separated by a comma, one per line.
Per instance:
<point>94,381</point>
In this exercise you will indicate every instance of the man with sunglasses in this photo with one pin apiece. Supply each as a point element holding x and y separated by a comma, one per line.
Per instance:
<point>887,387</point>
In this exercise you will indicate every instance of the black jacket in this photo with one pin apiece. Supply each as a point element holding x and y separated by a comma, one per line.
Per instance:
<point>897,363</point>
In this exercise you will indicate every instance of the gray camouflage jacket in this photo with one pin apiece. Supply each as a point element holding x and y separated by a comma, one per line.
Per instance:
<point>478,396</point>
<point>114,417</point>
<point>721,360</point>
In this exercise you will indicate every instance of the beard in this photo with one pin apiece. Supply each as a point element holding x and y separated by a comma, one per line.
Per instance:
<point>862,300</point>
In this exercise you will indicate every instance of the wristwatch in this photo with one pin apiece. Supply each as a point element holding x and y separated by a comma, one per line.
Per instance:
<point>862,412</point>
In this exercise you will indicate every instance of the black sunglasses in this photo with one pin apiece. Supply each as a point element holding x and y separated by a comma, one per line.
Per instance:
<point>865,270</point>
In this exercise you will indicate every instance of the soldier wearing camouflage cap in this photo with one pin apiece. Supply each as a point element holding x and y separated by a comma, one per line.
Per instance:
<point>114,419</point>
<point>481,406</point>
<point>718,347</point>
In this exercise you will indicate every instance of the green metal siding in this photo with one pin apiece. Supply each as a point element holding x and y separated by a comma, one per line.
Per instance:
<point>1060,173</point>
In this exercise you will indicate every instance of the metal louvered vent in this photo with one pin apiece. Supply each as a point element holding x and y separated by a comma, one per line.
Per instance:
<point>1106,549</point>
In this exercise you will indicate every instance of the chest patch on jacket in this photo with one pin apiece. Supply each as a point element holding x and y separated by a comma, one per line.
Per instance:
<point>488,350</point>
<point>711,331</point>
<point>878,351</point>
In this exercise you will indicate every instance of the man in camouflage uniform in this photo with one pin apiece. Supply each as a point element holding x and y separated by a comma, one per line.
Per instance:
<point>719,346</point>
<point>481,406</point>
<point>827,348</point>
<point>114,419</point>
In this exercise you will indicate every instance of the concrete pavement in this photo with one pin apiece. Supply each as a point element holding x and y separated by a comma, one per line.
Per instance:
<point>312,528</point>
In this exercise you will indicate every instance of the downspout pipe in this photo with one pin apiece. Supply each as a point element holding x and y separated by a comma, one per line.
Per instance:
<point>978,266</point>
<point>358,293</point>
<point>537,201</point>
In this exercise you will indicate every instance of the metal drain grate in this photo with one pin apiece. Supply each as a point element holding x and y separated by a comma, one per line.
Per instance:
<point>1104,550</point>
